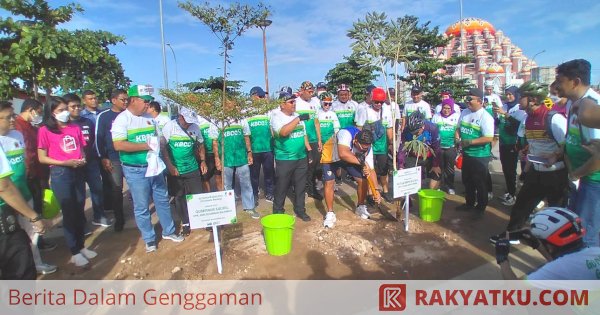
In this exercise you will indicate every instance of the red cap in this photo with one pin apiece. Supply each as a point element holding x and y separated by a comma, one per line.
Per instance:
<point>378,94</point>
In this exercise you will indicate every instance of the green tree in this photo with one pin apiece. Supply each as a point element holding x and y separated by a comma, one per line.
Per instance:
<point>425,70</point>
<point>350,72</point>
<point>42,56</point>
<point>227,24</point>
<point>214,83</point>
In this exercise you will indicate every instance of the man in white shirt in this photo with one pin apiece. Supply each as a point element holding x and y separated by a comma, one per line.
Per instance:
<point>416,103</point>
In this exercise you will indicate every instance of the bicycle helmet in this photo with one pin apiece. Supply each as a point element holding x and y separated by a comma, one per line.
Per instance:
<point>557,226</point>
<point>535,90</point>
<point>378,95</point>
<point>326,97</point>
<point>415,121</point>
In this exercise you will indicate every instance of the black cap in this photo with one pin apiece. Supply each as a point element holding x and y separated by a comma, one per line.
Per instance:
<point>258,91</point>
<point>476,92</point>
<point>369,88</point>
<point>416,90</point>
<point>285,96</point>
<point>321,85</point>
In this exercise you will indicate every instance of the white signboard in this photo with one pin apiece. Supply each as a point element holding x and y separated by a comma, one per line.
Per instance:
<point>211,209</point>
<point>407,181</point>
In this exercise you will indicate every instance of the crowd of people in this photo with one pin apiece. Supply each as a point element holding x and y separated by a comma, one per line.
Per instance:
<point>311,143</point>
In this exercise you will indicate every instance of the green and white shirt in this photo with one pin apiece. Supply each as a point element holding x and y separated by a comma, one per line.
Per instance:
<point>422,106</point>
<point>575,133</point>
<point>345,113</point>
<point>311,108</point>
<point>515,112</point>
<point>205,126</point>
<point>261,138</point>
<point>447,127</point>
<point>235,144</point>
<point>329,124</point>
<point>135,129</point>
<point>292,147</point>
<point>181,145</point>
<point>5,171</point>
<point>474,125</point>
<point>369,115</point>
<point>13,146</point>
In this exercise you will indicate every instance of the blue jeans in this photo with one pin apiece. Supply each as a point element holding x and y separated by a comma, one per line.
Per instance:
<point>243,174</point>
<point>142,188</point>
<point>587,206</point>
<point>93,179</point>
<point>69,188</point>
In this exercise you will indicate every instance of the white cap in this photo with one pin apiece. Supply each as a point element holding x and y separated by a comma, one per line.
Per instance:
<point>189,116</point>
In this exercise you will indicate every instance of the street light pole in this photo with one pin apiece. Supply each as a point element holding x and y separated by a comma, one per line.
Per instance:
<point>164,55</point>
<point>175,59</point>
<point>541,52</point>
<point>263,24</point>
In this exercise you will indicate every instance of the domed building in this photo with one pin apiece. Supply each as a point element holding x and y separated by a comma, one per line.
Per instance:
<point>494,57</point>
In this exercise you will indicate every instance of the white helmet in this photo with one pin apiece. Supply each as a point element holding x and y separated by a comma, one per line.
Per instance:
<point>557,226</point>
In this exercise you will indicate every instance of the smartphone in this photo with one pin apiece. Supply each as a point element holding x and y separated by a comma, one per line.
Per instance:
<point>537,159</point>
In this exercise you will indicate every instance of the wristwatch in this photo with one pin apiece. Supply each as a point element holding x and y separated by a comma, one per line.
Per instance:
<point>38,218</point>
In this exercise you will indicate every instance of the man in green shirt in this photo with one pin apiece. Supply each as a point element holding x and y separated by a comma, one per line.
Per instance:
<point>261,140</point>
<point>475,132</point>
<point>291,147</point>
<point>181,142</point>
<point>234,139</point>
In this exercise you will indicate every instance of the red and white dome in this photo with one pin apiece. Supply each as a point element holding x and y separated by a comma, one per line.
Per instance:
<point>470,25</point>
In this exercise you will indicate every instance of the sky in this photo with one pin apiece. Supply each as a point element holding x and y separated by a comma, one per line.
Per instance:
<point>307,38</point>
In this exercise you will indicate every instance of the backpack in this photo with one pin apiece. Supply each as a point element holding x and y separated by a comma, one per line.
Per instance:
<point>548,124</point>
<point>376,127</point>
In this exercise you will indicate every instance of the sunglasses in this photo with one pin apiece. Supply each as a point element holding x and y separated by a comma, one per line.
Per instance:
<point>326,104</point>
<point>378,102</point>
<point>361,148</point>
<point>470,98</point>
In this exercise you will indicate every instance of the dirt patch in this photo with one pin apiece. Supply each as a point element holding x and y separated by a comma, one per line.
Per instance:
<point>353,249</point>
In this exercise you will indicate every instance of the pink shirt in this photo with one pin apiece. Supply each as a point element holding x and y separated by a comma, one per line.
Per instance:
<point>62,146</point>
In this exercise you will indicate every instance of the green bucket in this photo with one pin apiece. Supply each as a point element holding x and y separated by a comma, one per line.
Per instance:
<point>431,202</point>
<point>278,231</point>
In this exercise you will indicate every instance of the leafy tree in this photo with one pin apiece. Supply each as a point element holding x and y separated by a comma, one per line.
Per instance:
<point>212,83</point>
<point>44,57</point>
<point>352,73</point>
<point>227,24</point>
<point>425,66</point>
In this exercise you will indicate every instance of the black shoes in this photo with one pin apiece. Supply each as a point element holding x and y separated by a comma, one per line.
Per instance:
<point>387,196</point>
<point>315,195</point>
<point>303,216</point>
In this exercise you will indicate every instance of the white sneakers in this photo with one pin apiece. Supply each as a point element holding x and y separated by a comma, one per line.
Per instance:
<point>451,191</point>
<point>81,259</point>
<point>330,220</point>
<point>490,195</point>
<point>89,254</point>
<point>362,212</point>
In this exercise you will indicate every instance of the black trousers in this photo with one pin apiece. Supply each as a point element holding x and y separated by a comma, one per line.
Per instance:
<point>288,174</point>
<point>313,167</point>
<point>509,157</point>
<point>179,187</point>
<point>475,176</point>
<point>16,259</point>
<point>37,193</point>
<point>448,162</point>
<point>115,191</point>
<point>266,161</point>
<point>537,186</point>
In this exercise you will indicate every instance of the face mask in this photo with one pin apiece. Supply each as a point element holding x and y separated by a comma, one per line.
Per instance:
<point>36,120</point>
<point>63,116</point>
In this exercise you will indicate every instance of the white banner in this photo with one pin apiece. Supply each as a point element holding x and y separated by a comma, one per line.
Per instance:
<point>299,297</point>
